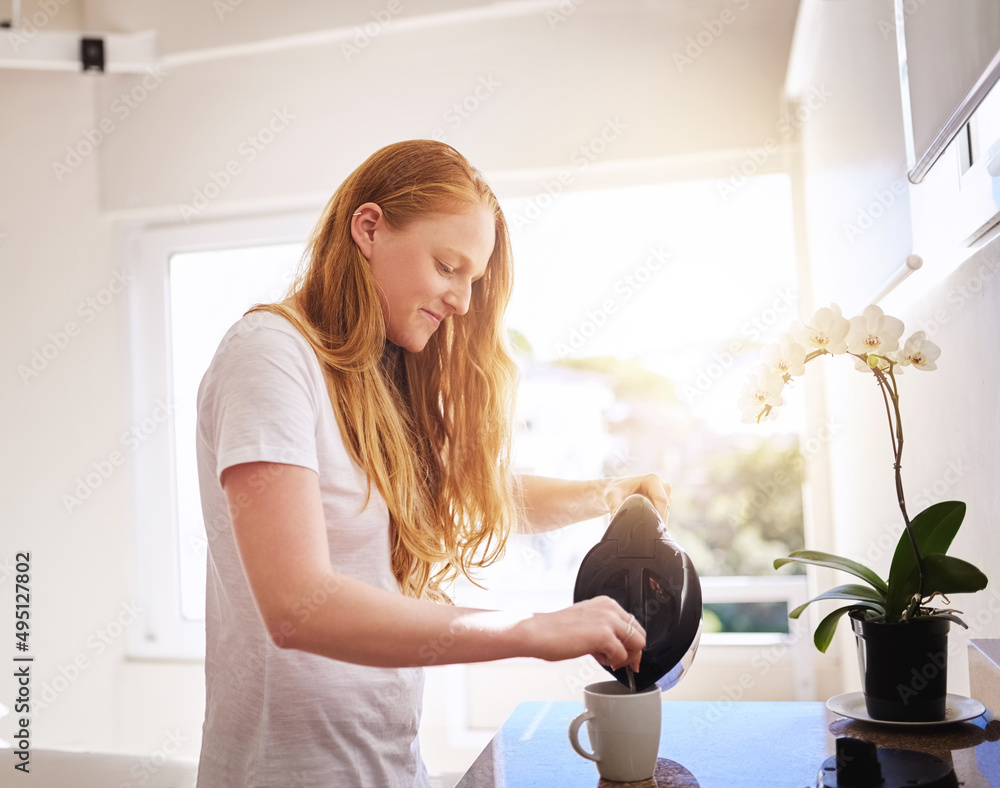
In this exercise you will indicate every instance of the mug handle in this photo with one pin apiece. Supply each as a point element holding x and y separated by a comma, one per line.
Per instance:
<point>574,732</point>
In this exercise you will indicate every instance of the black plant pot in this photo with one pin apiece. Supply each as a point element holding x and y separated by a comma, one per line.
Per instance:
<point>904,667</point>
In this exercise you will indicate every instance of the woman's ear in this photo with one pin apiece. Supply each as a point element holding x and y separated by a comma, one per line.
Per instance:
<point>363,225</point>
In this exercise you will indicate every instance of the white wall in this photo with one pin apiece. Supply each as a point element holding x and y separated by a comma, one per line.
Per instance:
<point>853,154</point>
<point>559,84</point>
<point>546,89</point>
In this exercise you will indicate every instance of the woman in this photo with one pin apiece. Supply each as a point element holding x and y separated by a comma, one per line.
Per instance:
<point>354,455</point>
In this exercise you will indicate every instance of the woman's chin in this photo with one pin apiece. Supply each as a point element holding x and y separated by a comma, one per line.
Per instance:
<point>411,344</point>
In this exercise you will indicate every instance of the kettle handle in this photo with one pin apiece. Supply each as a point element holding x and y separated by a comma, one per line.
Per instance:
<point>637,499</point>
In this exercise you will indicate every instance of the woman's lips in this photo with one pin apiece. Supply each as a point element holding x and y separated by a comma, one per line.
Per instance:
<point>434,318</point>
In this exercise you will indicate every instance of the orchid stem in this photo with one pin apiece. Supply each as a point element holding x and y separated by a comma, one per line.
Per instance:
<point>888,387</point>
<point>889,391</point>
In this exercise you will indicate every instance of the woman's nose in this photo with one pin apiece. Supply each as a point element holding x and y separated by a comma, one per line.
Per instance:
<point>459,296</point>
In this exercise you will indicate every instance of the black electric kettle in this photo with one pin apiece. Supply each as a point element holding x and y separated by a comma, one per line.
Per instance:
<point>637,564</point>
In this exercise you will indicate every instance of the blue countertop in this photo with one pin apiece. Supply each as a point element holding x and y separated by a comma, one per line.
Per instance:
<point>729,744</point>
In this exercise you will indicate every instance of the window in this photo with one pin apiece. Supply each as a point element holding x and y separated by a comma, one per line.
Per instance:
<point>636,312</point>
<point>209,291</point>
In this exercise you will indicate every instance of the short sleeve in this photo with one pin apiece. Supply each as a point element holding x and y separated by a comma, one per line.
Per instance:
<point>258,400</point>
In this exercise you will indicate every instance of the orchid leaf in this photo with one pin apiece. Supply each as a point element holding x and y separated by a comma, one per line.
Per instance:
<point>946,574</point>
<point>943,574</point>
<point>823,635</point>
<point>831,561</point>
<point>949,616</point>
<point>934,529</point>
<point>863,595</point>
<point>901,593</point>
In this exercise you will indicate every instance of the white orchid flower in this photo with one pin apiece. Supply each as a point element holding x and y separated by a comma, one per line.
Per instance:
<point>827,330</point>
<point>918,352</point>
<point>786,356</point>
<point>873,331</point>
<point>762,389</point>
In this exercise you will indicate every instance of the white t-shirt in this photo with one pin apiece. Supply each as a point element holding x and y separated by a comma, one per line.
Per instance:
<point>281,718</point>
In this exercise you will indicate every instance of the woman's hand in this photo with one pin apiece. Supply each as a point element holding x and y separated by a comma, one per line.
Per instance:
<point>650,485</point>
<point>598,626</point>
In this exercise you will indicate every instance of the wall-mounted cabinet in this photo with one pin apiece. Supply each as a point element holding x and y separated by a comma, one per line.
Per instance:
<point>949,64</point>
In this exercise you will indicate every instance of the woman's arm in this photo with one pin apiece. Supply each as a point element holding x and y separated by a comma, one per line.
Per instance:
<point>547,503</point>
<point>281,536</point>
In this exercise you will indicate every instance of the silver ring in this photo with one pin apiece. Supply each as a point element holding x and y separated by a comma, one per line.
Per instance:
<point>630,630</point>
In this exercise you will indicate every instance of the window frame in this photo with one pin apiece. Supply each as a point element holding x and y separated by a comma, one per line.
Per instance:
<point>163,631</point>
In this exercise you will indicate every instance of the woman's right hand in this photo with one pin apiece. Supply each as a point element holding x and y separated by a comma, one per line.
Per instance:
<point>598,626</point>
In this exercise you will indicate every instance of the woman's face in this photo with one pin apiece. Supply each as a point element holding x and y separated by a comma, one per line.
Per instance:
<point>424,270</point>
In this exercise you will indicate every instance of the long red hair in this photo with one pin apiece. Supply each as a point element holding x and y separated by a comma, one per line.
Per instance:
<point>432,430</point>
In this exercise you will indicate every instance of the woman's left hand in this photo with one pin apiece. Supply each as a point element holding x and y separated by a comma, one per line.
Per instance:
<point>650,485</point>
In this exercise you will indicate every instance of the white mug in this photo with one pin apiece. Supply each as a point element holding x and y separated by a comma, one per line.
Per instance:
<point>624,730</point>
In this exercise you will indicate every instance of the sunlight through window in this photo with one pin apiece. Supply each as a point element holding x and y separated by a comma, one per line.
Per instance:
<point>635,315</point>
<point>209,291</point>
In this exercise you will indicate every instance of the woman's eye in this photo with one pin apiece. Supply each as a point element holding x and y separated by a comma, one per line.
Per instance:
<point>446,269</point>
